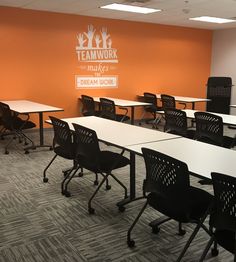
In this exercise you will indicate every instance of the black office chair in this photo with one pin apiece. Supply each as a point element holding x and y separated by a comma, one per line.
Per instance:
<point>2,128</point>
<point>223,215</point>
<point>219,93</point>
<point>14,125</point>
<point>209,129</point>
<point>151,109</point>
<point>88,106</point>
<point>168,102</point>
<point>176,123</point>
<point>108,110</point>
<point>99,162</point>
<point>169,192</point>
<point>63,146</point>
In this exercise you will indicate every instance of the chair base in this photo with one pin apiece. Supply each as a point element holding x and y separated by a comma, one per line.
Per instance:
<point>34,147</point>
<point>126,201</point>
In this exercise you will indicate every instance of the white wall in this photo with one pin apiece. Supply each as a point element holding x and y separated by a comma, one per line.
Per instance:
<point>223,61</point>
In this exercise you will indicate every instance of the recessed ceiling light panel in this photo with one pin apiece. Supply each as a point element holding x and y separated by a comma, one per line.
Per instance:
<point>211,19</point>
<point>130,8</point>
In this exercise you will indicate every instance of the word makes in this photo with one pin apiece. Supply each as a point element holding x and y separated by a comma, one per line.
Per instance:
<point>98,68</point>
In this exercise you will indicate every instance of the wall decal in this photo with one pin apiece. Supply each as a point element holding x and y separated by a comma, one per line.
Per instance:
<point>97,59</point>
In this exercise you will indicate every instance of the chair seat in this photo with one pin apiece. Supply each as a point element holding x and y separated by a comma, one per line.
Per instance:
<point>192,207</point>
<point>107,161</point>
<point>227,141</point>
<point>226,239</point>
<point>189,133</point>
<point>123,118</point>
<point>18,123</point>
<point>64,152</point>
<point>87,113</point>
<point>153,109</point>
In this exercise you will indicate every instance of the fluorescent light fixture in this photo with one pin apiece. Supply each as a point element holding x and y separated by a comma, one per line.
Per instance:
<point>130,8</point>
<point>211,19</point>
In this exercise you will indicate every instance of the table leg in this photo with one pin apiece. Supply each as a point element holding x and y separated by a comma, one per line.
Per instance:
<point>132,176</point>
<point>132,115</point>
<point>132,196</point>
<point>193,108</point>
<point>41,136</point>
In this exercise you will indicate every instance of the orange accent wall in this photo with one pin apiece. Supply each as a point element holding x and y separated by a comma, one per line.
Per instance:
<point>38,61</point>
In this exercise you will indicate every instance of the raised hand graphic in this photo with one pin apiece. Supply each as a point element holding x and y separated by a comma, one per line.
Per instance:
<point>109,42</point>
<point>105,36</point>
<point>97,40</point>
<point>90,35</point>
<point>81,40</point>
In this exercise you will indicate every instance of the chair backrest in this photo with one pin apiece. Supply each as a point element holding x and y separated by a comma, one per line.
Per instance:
<point>209,128</point>
<point>219,93</point>
<point>165,175</point>
<point>108,108</point>
<point>88,105</point>
<point>167,101</point>
<point>175,121</point>
<point>150,98</point>
<point>6,115</point>
<point>62,134</point>
<point>224,211</point>
<point>88,150</point>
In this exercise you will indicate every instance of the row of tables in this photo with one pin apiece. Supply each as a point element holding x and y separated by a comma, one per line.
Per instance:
<point>133,104</point>
<point>29,107</point>
<point>201,158</point>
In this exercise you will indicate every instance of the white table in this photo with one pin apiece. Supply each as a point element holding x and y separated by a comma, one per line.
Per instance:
<point>118,133</point>
<point>201,158</point>
<point>186,99</point>
<point>125,103</point>
<point>121,135</point>
<point>227,119</point>
<point>29,107</point>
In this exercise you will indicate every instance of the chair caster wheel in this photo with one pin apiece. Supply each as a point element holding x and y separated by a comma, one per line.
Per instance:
<point>26,152</point>
<point>50,148</point>
<point>91,210</point>
<point>139,124</point>
<point>6,152</point>
<point>214,252</point>
<point>108,187</point>
<point>131,243</point>
<point>95,182</point>
<point>67,194</point>
<point>45,179</point>
<point>121,209</point>
<point>155,230</point>
<point>181,232</point>
<point>81,174</point>
<point>65,173</point>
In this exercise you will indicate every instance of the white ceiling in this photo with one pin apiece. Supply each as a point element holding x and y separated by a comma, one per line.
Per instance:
<point>175,12</point>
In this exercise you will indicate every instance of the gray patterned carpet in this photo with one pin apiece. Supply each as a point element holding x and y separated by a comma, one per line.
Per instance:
<point>39,224</point>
